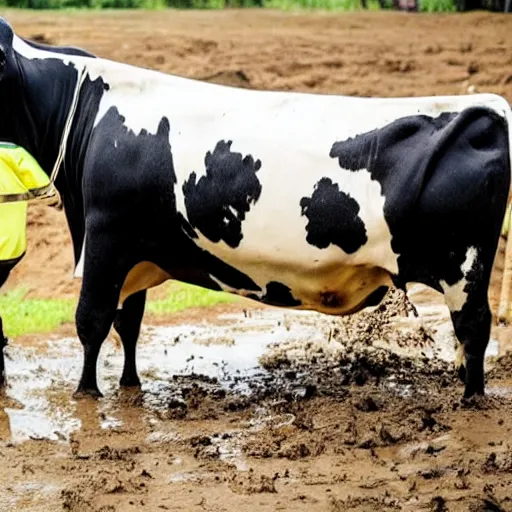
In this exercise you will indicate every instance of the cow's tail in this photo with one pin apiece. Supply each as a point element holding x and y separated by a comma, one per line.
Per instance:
<point>507,111</point>
<point>506,281</point>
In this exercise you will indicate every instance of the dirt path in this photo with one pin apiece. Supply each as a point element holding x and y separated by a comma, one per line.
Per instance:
<point>264,410</point>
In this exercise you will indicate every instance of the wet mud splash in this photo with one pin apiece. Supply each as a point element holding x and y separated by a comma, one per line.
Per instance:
<point>267,408</point>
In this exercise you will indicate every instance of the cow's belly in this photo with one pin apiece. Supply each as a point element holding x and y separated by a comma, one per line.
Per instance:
<point>337,291</point>
<point>288,272</point>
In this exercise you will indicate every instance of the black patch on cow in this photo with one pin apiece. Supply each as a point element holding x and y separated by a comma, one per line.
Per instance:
<point>135,170</point>
<point>365,151</point>
<point>130,178</point>
<point>375,298</point>
<point>230,184</point>
<point>331,299</point>
<point>441,178</point>
<point>278,294</point>
<point>333,218</point>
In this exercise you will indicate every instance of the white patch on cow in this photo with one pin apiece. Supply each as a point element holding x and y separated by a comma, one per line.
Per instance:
<point>455,295</point>
<point>136,119</point>
<point>292,134</point>
<point>143,96</point>
<point>30,52</point>
<point>79,269</point>
<point>115,143</point>
<point>274,245</point>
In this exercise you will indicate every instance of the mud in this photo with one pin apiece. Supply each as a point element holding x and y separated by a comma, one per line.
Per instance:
<point>265,409</point>
<point>250,408</point>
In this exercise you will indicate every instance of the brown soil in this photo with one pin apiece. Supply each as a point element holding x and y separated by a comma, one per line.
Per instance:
<point>315,433</point>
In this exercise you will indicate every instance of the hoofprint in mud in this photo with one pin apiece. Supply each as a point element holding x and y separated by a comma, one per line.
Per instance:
<point>298,200</point>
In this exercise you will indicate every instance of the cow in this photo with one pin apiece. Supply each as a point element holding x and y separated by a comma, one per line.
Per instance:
<point>307,201</point>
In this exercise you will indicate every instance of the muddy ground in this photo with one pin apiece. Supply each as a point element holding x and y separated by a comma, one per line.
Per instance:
<point>252,408</point>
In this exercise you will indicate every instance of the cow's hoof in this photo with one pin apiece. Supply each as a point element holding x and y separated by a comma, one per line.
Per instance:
<point>473,392</point>
<point>80,393</point>
<point>476,401</point>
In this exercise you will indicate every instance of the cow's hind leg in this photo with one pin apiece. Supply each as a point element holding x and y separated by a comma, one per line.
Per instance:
<point>127,324</point>
<point>471,316</point>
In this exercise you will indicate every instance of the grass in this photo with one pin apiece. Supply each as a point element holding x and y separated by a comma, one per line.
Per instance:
<point>22,315</point>
<point>437,5</point>
<point>324,5</point>
<point>183,296</point>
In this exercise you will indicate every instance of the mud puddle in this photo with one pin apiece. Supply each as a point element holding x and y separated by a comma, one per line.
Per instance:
<point>240,355</point>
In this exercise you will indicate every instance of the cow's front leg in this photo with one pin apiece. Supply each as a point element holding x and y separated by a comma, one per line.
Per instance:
<point>93,321</point>
<point>99,296</point>
<point>127,324</point>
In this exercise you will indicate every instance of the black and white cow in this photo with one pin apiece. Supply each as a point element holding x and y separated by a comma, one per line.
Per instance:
<point>305,201</point>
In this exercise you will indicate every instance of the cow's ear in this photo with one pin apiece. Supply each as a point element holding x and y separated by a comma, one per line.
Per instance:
<point>7,63</point>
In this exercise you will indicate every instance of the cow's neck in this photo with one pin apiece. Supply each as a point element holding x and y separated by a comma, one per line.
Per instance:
<point>43,104</point>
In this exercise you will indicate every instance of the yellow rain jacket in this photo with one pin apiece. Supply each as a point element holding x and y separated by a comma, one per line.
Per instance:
<point>19,174</point>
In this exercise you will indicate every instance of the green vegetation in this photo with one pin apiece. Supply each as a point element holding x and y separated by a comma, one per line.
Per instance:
<point>183,296</point>
<point>326,5</point>
<point>22,315</point>
<point>437,5</point>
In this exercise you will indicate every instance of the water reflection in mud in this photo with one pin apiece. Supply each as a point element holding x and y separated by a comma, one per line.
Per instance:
<point>42,377</point>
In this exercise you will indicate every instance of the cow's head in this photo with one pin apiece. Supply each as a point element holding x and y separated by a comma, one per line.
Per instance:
<point>35,92</point>
<point>37,84</point>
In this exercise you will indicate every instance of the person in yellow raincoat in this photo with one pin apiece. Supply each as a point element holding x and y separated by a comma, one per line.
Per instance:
<point>21,179</point>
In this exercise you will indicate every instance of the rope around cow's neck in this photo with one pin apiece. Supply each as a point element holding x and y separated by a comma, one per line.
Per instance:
<point>49,191</point>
